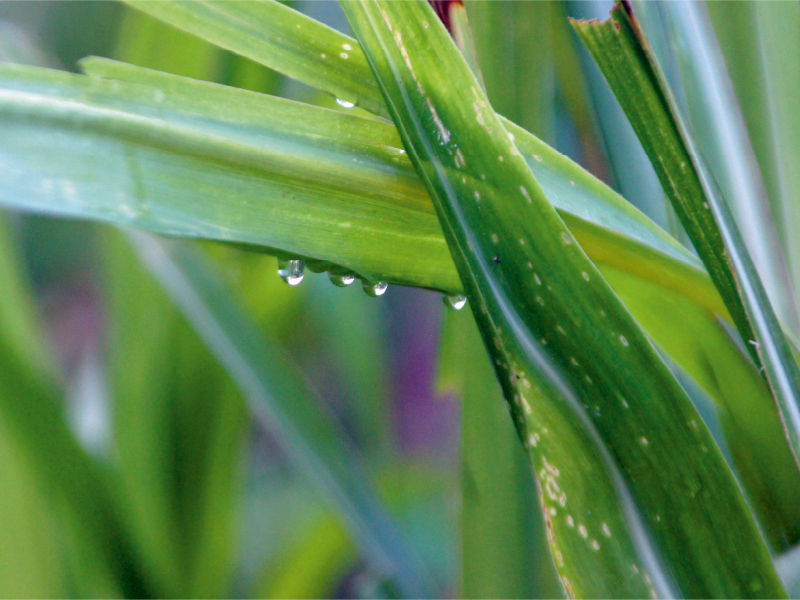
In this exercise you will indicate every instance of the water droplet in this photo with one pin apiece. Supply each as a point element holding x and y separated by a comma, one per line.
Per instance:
<point>344,103</point>
<point>341,280</point>
<point>346,46</point>
<point>291,271</point>
<point>456,302</point>
<point>343,55</point>
<point>375,289</point>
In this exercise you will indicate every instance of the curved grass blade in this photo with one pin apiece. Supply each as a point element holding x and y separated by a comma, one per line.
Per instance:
<point>619,48</point>
<point>545,310</point>
<point>705,94</point>
<point>173,164</point>
<point>257,30</point>
<point>280,401</point>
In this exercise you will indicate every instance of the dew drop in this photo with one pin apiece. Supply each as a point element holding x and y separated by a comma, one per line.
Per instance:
<point>565,238</point>
<point>623,341</point>
<point>291,271</point>
<point>341,280</point>
<point>456,302</point>
<point>376,289</point>
<point>343,55</point>
<point>344,103</point>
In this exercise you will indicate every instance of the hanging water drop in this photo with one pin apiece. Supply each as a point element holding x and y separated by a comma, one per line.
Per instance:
<point>291,271</point>
<point>375,289</point>
<point>455,302</point>
<point>341,280</point>
<point>344,103</point>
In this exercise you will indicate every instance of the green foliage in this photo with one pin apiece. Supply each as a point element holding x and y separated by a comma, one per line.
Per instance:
<point>653,436</point>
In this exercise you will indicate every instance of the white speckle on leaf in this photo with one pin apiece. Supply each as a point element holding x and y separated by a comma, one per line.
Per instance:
<point>644,441</point>
<point>623,341</point>
<point>565,238</point>
<point>343,55</point>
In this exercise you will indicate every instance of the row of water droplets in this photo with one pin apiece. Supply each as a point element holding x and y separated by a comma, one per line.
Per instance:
<point>293,272</point>
<point>456,302</point>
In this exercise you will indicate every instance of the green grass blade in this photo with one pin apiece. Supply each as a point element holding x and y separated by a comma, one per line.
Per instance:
<point>280,401</point>
<point>619,49</point>
<point>535,295</point>
<point>706,93</point>
<point>761,43</point>
<point>256,30</point>
<point>293,139</point>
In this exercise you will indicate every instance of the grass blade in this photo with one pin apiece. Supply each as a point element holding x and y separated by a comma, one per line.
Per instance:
<point>256,30</point>
<point>706,95</point>
<point>535,295</point>
<point>619,49</point>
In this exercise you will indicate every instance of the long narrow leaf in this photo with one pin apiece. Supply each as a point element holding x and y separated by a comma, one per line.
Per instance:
<point>620,50</point>
<point>705,93</point>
